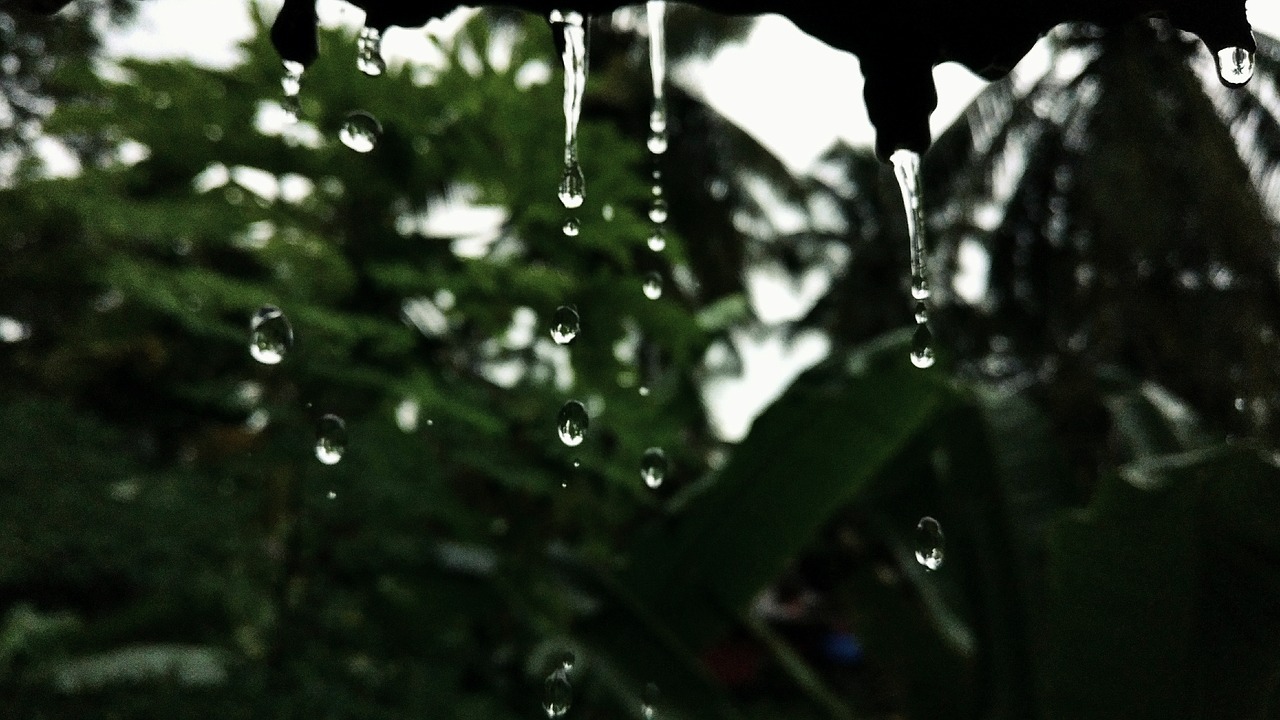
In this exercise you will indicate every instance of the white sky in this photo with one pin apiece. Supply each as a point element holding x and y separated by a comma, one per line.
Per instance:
<point>776,86</point>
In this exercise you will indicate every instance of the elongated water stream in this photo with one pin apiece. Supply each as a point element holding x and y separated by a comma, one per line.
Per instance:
<point>571,27</point>
<point>906,168</point>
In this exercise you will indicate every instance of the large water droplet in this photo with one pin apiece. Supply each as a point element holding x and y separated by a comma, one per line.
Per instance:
<point>929,543</point>
<point>922,347</point>
<point>360,131</point>
<point>658,211</point>
<point>572,423</point>
<point>571,227</point>
<point>657,240</point>
<point>649,701</point>
<point>564,325</point>
<point>653,467</point>
<point>270,335</point>
<point>558,695</point>
<point>922,313</point>
<point>331,439</point>
<point>1235,65</point>
<point>572,186</point>
<point>657,142</point>
<point>369,52</point>
<point>653,286</point>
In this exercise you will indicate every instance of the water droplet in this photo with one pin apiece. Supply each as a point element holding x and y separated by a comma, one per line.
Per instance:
<point>577,463</point>
<point>607,212</point>
<point>929,543</point>
<point>653,467</point>
<point>571,227</point>
<point>559,694</point>
<point>331,495</point>
<point>360,131</point>
<point>291,82</point>
<point>566,660</point>
<point>270,335</point>
<point>649,701</point>
<point>657,241</point>
<point>658,119</point>
<point>922,347</point>
<point>564,325</point>
<point>1235,66</point>
<point>331,439</point>
<point>292,108</point>
<point>653,286</point>
<point>572,423</point>
<point>657,142</point>
<point>919,287</point>
<point>922,313</point>
<point>643,390</point>
<point>369,52</point>
<point>658,211</point>
<point>572,186</point>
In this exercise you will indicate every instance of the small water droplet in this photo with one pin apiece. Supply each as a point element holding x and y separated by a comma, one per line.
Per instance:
<point>369,52</point>
<point>922,347</point>
<point>607,212</point>
<point>559,694</point>
<point>919,287</point>
<point>291,81</point>
<point>658,211</point>
<point>929,543</point>
<point>657,241</point>
<point>658,142</point>
<point>649,701</point>
<point>1235,65</point>
<point>572,423</point>
<point>653,286</point>
<point>644,391</point>
<point>571,227</point>
<point>331,439</point>
<point>566,660</point>
<point>653,467</point>
<point>331,494</point>
<point>572,186</point>
<point>360,131</point>
<point>564,325</point>
<point>922,313</point>
<point>658,119</point>
<point>577,463</point>
<point>270,335</point>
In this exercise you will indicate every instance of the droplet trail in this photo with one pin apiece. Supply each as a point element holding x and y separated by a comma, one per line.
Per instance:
<point>369,52</point>
<point>270,335</point>
<point>655,12</point>
<point>930,543</point>
<point>571,423</point>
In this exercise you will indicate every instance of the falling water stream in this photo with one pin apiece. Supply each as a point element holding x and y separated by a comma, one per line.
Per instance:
<point>572,28</point>
<point>655,12</point>
<point>906,167</point>
<point>291,83</point>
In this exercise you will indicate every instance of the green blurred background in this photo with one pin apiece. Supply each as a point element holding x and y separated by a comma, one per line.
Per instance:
<point>1097,439</point>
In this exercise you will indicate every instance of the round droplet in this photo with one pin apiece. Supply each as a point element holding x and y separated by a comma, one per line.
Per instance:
<point>566,660</point>
<point>919,287</point>
<point>577,463</point>
<point>331,439</point>
<point>922,313</point>
<point>658,120</point>
<point>270,335</point>
<point>331,495</point>
<point>653,286</point>
<point>644,391</point>
<point>922,347</point>
<point>607,212</point>
<point>559,694</point>
<point>564,325</point>
<point>658,211</point>
<point>369,52</point>
<point>653,467</point>
<point>649,701</point>
<point>571,227</point>
<point>1235,65</point>
<point>572,422</point>
<point>572,186</point>
<point>658,142</point>
<point>360,131</point>
<point>657,241</point>
<point>929,543</point>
